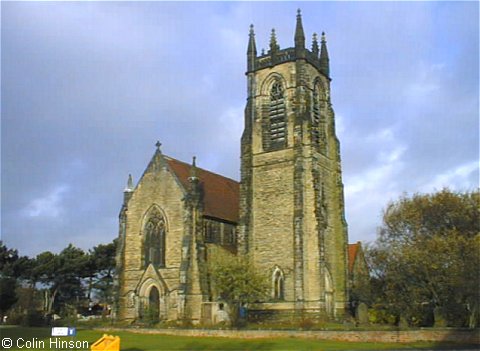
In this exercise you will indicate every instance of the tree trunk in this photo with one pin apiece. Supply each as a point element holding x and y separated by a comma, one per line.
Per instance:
<point>52,300</point>
<point>472,319</point>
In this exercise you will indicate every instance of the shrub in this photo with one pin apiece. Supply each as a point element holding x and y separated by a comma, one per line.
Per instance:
<point>33,318</point>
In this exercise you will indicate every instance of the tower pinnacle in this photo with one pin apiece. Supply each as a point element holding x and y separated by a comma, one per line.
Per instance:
<point>252,50</point>
<point>299,34</point>
<point>315,49</point>
<point>324,60</point>
<point>273,42</point>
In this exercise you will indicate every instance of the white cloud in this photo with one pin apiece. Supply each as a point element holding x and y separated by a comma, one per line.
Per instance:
<point>231,122</point>
<point>427,81</point>
<point>49,205</point>
<point>340,124</point>
<point>457,178</point>
<point>369,190</point>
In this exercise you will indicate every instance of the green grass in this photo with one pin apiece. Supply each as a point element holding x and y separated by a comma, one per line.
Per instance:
<point>155,342</point>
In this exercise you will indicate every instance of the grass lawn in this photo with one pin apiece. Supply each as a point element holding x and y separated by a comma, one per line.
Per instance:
<point>154,342</point>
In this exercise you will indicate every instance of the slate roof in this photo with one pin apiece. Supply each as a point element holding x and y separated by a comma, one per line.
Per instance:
<point>352,255</point>
<point>221,194</point>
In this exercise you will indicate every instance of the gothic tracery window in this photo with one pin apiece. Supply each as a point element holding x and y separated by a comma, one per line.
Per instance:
<point>154,244</point>
<point>277,116</point>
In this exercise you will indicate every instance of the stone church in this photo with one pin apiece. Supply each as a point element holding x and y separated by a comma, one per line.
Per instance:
<point>286,214</point>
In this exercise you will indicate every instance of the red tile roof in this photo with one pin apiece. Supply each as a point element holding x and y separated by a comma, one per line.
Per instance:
<point>352,255</point>
<point>221,194</point>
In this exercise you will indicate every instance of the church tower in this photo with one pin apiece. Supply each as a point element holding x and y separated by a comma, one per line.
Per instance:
<point>292,222</point>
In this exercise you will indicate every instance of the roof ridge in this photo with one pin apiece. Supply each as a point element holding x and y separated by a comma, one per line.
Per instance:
<point>202,169</point>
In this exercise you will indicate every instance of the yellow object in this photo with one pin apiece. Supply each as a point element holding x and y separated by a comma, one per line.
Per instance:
<point>106,343</point>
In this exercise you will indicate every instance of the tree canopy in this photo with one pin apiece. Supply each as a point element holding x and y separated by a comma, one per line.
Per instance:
<point>66,279</point>
<point>425,263</point>
<point>236,281</point>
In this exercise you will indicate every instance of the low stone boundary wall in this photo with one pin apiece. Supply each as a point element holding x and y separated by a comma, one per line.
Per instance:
<point>405,336</point>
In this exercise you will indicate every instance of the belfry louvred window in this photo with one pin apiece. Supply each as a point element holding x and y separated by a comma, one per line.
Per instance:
<point>277,115</point>
<point>154,246</point>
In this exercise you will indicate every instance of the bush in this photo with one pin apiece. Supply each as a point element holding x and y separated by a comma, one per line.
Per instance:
<point>306,323</point>
<point>150,316</point>
<point>379,315</point>
<point>33,318</point>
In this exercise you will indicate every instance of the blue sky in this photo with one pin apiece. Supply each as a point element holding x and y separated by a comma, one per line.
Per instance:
<point>88,88</point>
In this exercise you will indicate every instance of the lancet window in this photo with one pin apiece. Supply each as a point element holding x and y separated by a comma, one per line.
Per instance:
<point>278,283</point>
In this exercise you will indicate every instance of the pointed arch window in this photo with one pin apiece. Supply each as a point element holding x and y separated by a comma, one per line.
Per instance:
<point>319,136</point>
<point>277,117</point>
<point>154,245</point>
<point>278,283</point>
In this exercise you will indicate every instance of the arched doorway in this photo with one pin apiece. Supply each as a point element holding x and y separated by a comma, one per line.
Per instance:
<point>153,295</point>
<point>154,305</point>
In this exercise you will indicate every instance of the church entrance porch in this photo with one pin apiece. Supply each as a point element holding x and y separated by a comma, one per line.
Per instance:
<point>153,304</point>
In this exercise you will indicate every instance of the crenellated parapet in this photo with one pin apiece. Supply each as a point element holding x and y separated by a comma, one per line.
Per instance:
<point>276,56</point>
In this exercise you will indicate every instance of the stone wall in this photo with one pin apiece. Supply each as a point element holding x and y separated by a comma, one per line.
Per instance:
<point>407,336</point>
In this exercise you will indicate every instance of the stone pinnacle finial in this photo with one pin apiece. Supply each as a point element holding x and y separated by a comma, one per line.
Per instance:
<point>158,144</point>
<point>252,48</point>
<point>324,60</point>
<point>273,41</point>
<point>315,48</point>
<point>299,34</point>
<point>129,187</point>
<point>193,169</point>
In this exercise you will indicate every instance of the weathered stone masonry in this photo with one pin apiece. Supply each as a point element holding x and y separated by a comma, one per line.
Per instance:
<point>286,214</point>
